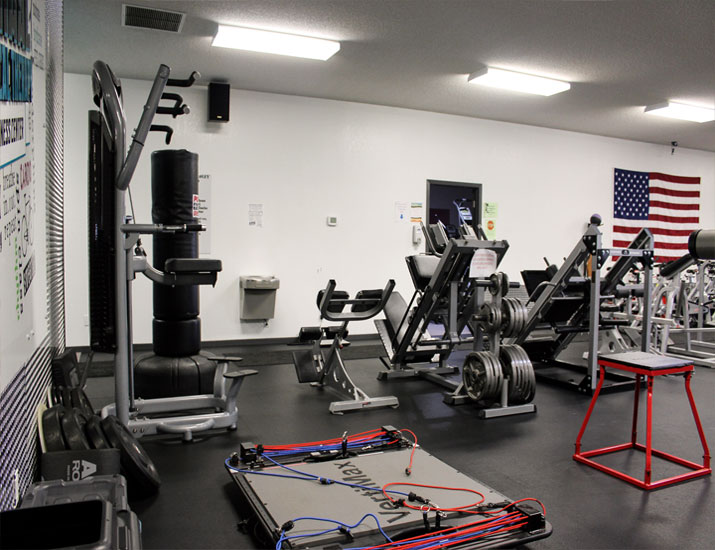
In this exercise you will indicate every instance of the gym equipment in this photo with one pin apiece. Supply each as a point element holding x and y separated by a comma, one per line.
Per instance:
<point>682,303</point>
<point>115,246</point>
<point>92,514</point>
<point>95,433</point>
<point>51,429</point>
<point>447,294</point>
<point>566,304</point>
<point>646,365</point>
<point>325,368</point>
<point>69,439</point>
<point>73,422</point>
<point>137,466</point>
<point>352,492</point>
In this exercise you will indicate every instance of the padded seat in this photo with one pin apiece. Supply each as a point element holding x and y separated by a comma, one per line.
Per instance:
<point>643,360</point>
<point>192,265</point>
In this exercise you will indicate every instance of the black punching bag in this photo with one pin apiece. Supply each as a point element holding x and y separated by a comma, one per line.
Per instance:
<point>174,185</point>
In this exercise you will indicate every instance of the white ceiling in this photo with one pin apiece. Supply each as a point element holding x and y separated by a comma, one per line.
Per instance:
<point>619,55</point>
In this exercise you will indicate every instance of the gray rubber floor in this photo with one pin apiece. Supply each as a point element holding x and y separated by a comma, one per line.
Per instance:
<point>520,456</point>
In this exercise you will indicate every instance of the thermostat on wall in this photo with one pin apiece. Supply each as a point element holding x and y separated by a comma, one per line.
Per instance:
<point>332,221</point>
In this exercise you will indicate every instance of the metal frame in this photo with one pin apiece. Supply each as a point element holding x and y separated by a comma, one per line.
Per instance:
<point>647,483</point>
<point>639,250</point>
<point>464,296</point>
<point>130,411</point>
<point>329,365</point>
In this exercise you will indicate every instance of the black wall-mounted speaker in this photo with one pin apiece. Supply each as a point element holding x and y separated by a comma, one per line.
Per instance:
<point>219,96</point>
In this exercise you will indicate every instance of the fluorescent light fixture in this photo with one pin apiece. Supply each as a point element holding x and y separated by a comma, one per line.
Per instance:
<point>681,111</point>
<point>256,40</point>
<point>519,82</point>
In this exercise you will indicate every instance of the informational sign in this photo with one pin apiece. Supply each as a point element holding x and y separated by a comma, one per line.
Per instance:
<point>18,210</point>
<point>255,215</point>
<point>401,211</point>
<point>484,263</point>
<point>489,219</point>
<point>416,212</point>
<point>202,211</point>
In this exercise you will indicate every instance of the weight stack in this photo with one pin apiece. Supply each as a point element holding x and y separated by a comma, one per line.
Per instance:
<point>174,186</point>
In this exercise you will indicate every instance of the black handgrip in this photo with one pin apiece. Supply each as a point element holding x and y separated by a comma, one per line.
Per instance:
<point>178,109</point>
<point>159,128</point>
<point>173,111</point>
<point>194,227</point>
<point>184,83</point>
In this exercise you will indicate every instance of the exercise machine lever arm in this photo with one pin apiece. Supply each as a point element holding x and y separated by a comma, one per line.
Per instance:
<point>154,228</point>
<point>135,150</point>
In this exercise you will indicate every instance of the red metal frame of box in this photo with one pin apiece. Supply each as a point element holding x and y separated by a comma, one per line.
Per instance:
<point>697,469</point>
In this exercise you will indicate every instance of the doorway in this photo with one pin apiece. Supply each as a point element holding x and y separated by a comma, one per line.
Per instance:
<point>454,203</point>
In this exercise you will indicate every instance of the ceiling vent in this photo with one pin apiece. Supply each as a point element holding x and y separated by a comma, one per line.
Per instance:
<point>151,18</point>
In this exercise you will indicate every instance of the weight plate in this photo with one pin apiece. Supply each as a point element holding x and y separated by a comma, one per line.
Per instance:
<point>95,434</point>
<point>516,365</point>
<point>513,317</point>
<point>52,429</point>
<point>73,423</point>
<point>138,468</point>
<point>490,318</point>
<point>81,401</point>
<point>494,283</point>
<point>504,284</point>
<point>529,376</point>
<point>482,377</point>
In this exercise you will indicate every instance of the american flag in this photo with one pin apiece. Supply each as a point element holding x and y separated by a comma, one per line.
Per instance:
<point>667,205</point>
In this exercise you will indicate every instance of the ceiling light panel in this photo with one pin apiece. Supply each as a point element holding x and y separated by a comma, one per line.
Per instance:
<point>681,111</point>
<point>257,40</point>
<point>518,82</point>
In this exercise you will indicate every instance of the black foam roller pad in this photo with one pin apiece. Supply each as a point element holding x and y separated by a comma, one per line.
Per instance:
<point>177,338</point>
<point>174,182</point>
<point>156,376</point>
<point>701,244</point>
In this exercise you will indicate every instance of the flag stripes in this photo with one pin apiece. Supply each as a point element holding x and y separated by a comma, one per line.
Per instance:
<point>668,205</point>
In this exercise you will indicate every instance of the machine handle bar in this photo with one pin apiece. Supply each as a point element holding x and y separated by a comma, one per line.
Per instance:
<point>352,315</point>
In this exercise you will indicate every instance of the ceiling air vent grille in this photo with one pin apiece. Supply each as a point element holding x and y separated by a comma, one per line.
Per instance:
<point>151,18</point>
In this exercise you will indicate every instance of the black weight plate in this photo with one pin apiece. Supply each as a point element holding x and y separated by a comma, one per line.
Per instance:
<point>73,423</point>
<point>81,401</point>
<point>138,468</point>
<point>95,434</point>
<point>52,429</point>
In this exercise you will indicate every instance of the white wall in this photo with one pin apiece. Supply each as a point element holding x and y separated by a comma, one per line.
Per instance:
<point>305,159</point>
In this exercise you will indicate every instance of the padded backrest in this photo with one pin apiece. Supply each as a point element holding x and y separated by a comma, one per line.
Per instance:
<point>421,268</point>
<point>395,310</point>
<point>374,295</point>
<point>334,307</point>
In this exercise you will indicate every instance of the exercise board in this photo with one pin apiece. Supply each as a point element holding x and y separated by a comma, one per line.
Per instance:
<point>276,500</point>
